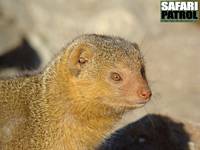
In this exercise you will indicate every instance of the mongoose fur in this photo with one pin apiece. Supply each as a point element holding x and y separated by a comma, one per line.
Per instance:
<point>74,103</point>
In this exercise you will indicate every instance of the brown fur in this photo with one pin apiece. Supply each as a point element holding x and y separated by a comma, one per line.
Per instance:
<point>70,106</point>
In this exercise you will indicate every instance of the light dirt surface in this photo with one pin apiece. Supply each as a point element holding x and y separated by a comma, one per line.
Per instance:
<point>171,50</point>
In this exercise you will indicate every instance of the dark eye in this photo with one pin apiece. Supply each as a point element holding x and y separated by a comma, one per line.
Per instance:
<point>82,60</point>
<point>115,76</point>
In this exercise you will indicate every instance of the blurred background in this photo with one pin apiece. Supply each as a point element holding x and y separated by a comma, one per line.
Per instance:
<point>33,31</point>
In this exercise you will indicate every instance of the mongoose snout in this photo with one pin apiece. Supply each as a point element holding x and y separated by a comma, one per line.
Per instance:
<point>144,93</point>
<point>131,85</point>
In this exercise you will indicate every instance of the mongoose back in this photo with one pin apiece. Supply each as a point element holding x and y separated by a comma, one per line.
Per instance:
<point>74,103</point>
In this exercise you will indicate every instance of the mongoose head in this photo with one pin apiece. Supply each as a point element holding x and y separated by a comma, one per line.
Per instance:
<point>107,70</point>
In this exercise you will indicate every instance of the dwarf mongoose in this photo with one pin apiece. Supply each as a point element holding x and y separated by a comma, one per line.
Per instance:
<point>74,103</point>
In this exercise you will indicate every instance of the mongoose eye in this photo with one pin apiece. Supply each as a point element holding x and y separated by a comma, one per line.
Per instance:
<point>82,60</point>
<point>115,76</point>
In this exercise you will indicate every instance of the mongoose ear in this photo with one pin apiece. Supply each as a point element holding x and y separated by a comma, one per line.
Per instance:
<point>80,55</point>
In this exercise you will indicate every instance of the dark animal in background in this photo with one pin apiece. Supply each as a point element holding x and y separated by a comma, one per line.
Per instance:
<point>23,58</point>
<point>152,132</point>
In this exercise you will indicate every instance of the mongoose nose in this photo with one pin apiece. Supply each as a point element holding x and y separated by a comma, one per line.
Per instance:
<point>144,93</point>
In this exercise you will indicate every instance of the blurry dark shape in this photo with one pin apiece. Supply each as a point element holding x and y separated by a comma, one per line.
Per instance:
<point>152,132</point>
<point>23,57</point>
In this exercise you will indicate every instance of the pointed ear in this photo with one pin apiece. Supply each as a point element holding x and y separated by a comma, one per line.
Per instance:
<point>79,56</point>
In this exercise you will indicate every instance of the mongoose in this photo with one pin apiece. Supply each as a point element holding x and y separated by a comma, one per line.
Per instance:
<point>74,103</point>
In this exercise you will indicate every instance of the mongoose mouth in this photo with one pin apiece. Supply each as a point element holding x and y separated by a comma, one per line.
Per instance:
<point>142,101</point>
<point>137,103</point>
